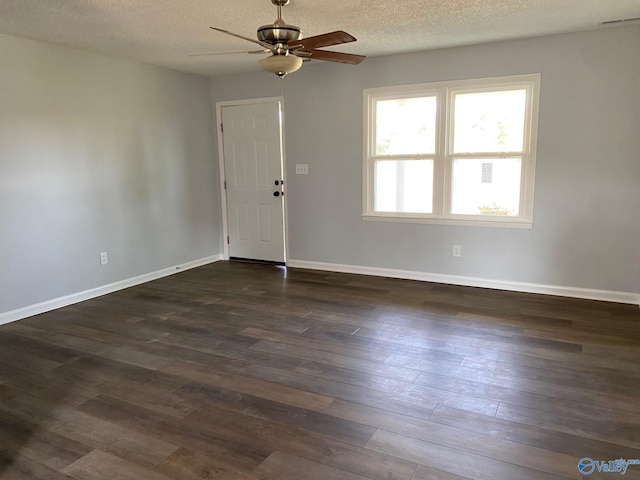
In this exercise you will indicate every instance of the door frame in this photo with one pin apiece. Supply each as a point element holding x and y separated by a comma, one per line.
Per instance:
<point>223,193</point>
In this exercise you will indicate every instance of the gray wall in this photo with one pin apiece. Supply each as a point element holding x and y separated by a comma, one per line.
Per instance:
<point>586,231</point>
<point>99,154</point>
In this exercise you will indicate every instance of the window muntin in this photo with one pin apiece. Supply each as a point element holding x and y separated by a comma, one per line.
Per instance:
<point>473,144</point>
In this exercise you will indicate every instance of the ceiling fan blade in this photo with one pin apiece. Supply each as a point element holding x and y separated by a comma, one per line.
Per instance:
<point>265,51</point>
<point>324,40</point>
<point>262,44</point>
<point>329,56</point>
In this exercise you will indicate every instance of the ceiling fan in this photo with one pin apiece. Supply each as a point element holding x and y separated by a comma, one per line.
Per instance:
<point>287,48</point>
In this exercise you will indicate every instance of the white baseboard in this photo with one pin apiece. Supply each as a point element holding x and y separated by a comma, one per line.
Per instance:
<point>60,302</point>
<point>586,293</point>
<point>590,294</point>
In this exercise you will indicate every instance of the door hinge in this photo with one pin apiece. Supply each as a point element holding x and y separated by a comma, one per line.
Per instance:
<point>222,128</point>
<point>227,239</point>
<point>225,184</point>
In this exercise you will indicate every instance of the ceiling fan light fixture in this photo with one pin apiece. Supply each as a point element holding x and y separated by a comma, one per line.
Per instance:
<point>281,65</point>
<point>286,45</point>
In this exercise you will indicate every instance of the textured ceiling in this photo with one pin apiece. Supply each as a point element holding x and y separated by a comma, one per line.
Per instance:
<point>165,32</point>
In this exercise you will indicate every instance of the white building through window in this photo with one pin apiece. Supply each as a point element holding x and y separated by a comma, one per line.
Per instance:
<point>458,152</point>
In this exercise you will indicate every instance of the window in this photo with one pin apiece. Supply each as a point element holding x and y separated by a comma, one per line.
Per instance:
<point>454,152</point>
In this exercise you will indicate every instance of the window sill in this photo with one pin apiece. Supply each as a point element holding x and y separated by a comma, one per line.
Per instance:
<point>465,222</point>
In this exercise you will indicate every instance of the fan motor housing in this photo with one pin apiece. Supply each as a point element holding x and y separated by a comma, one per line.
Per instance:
<point>274,34</point>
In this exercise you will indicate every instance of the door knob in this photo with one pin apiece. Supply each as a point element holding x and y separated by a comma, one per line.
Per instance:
<point>277,194</point>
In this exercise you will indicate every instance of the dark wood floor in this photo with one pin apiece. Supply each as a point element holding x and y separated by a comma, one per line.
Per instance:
<point>241,371</point>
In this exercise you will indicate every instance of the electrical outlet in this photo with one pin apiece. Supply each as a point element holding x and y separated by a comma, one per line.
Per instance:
<point>302,169</point>
<point>457,251</point>
<point>104,259</point>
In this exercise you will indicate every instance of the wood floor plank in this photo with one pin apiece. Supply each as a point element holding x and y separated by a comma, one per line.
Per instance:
<point>491,379</point>
<point>530,367</point>
<point>282,466</point>
<point>21,467</point>
<point>622,403</point>
<point>61,391</point>
<point>586,338</point>
<point>424,363</point>
<point>428,473</point>
<point>539,436</point>
<point>378,318</point>
<point>585,380</point>
<point>598,429</point>
<point>496,448</point>
<point>148,388</point>
<point>514,320</point>
<point>28,353</point>
<point>304,444</point>
<point>453,461</point>
<point>304,354</point>
<point>417,392</point>
<point>222,355</point>
<point>418,407</point>
<point>193,347</point>
<point>364,352</point>
<point>241,454</point>
<point>184,464</point>
<point>484,443</point>
<point>87,345</point>
<point>99,465</point>
<point>281,413</point>
<point>546,400</point>
<point>380,418</point>
<point>21,436</point>
<point>5,393</point>
<point>85,430</point>
<point>252,386</point>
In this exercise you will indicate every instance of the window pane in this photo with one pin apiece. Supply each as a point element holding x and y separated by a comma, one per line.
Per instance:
<point>489,122</point>
<point>406,126</point>
<point>488,186</point>
<point>404,186</point>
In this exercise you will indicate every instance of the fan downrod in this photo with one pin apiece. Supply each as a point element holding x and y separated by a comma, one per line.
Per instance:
<point>279,34</point>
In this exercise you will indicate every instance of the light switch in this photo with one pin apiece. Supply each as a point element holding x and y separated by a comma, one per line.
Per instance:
<point>302,169</point>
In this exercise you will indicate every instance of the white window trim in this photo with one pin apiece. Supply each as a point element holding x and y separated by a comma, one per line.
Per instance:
<point>445,91</point>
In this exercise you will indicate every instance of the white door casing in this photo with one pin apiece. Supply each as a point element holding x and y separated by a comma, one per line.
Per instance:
<point>252,151</point>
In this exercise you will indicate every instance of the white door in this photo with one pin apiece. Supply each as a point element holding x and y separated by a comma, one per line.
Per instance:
<point>253,173</point>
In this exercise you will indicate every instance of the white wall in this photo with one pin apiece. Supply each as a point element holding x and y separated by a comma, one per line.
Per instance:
<point>586,232</point>
<point>99,154</point>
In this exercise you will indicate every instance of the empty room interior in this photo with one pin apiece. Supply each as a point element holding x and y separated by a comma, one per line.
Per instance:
<point>319,240</point>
